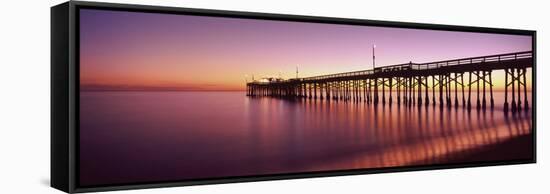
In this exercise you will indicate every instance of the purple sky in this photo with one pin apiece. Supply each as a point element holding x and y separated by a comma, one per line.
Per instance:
<point>211,53</point>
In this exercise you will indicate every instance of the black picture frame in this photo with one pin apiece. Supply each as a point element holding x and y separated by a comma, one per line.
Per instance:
<point>65,88</point>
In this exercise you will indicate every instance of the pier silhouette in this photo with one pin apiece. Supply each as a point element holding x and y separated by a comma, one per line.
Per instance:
<point>415,84</point>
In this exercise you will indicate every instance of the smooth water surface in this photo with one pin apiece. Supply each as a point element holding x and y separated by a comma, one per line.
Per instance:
<point>131,137</point>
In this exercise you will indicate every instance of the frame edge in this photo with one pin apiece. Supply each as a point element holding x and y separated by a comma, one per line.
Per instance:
<point>70,91</point>
<point>59,97</point>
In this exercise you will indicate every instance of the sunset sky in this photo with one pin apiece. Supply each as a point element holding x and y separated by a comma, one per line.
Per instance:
<point>130,50</point>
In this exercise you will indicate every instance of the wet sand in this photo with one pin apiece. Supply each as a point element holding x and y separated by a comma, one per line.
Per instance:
<point>516,148</point>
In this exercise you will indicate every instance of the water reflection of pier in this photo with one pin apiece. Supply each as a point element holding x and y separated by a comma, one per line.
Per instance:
<point>328,135</point>
<point>461,142</point>
<point>412,83</point>
<point>364,136</point>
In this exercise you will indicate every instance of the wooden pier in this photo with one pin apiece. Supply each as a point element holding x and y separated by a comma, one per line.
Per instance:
<point>415,84</point>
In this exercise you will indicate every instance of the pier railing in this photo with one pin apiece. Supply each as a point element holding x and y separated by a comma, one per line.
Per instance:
<point>413,81</point>
<point>416,66</point>
<point>474,60</point>
<point>430,65</point>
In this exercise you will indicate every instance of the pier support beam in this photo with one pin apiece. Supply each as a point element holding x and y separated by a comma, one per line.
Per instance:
<point>405,84</point>
<point>484,101</point>
<point>448,89</point>
<point>419,85</point>
<point>364,90</point>
<point>433,90</point>
<point>505,106</point>
<point>383,91</point>
<point>469,106</point>
<point>390,90</point>
<point>478,102</point>
<point>375,91</point>
<point>519,89</point>
<point>410,91</point>
<point>398,86</point>
<point>526,106</point>
<point>462,86</point>
<point>512,75</point>
<point>441,102</point>
<point>456,89</point>
<point>427,100</point>
<point>369,96</point>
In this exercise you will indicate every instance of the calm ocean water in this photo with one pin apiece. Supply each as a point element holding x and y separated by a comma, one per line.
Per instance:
<point>129,137</point>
